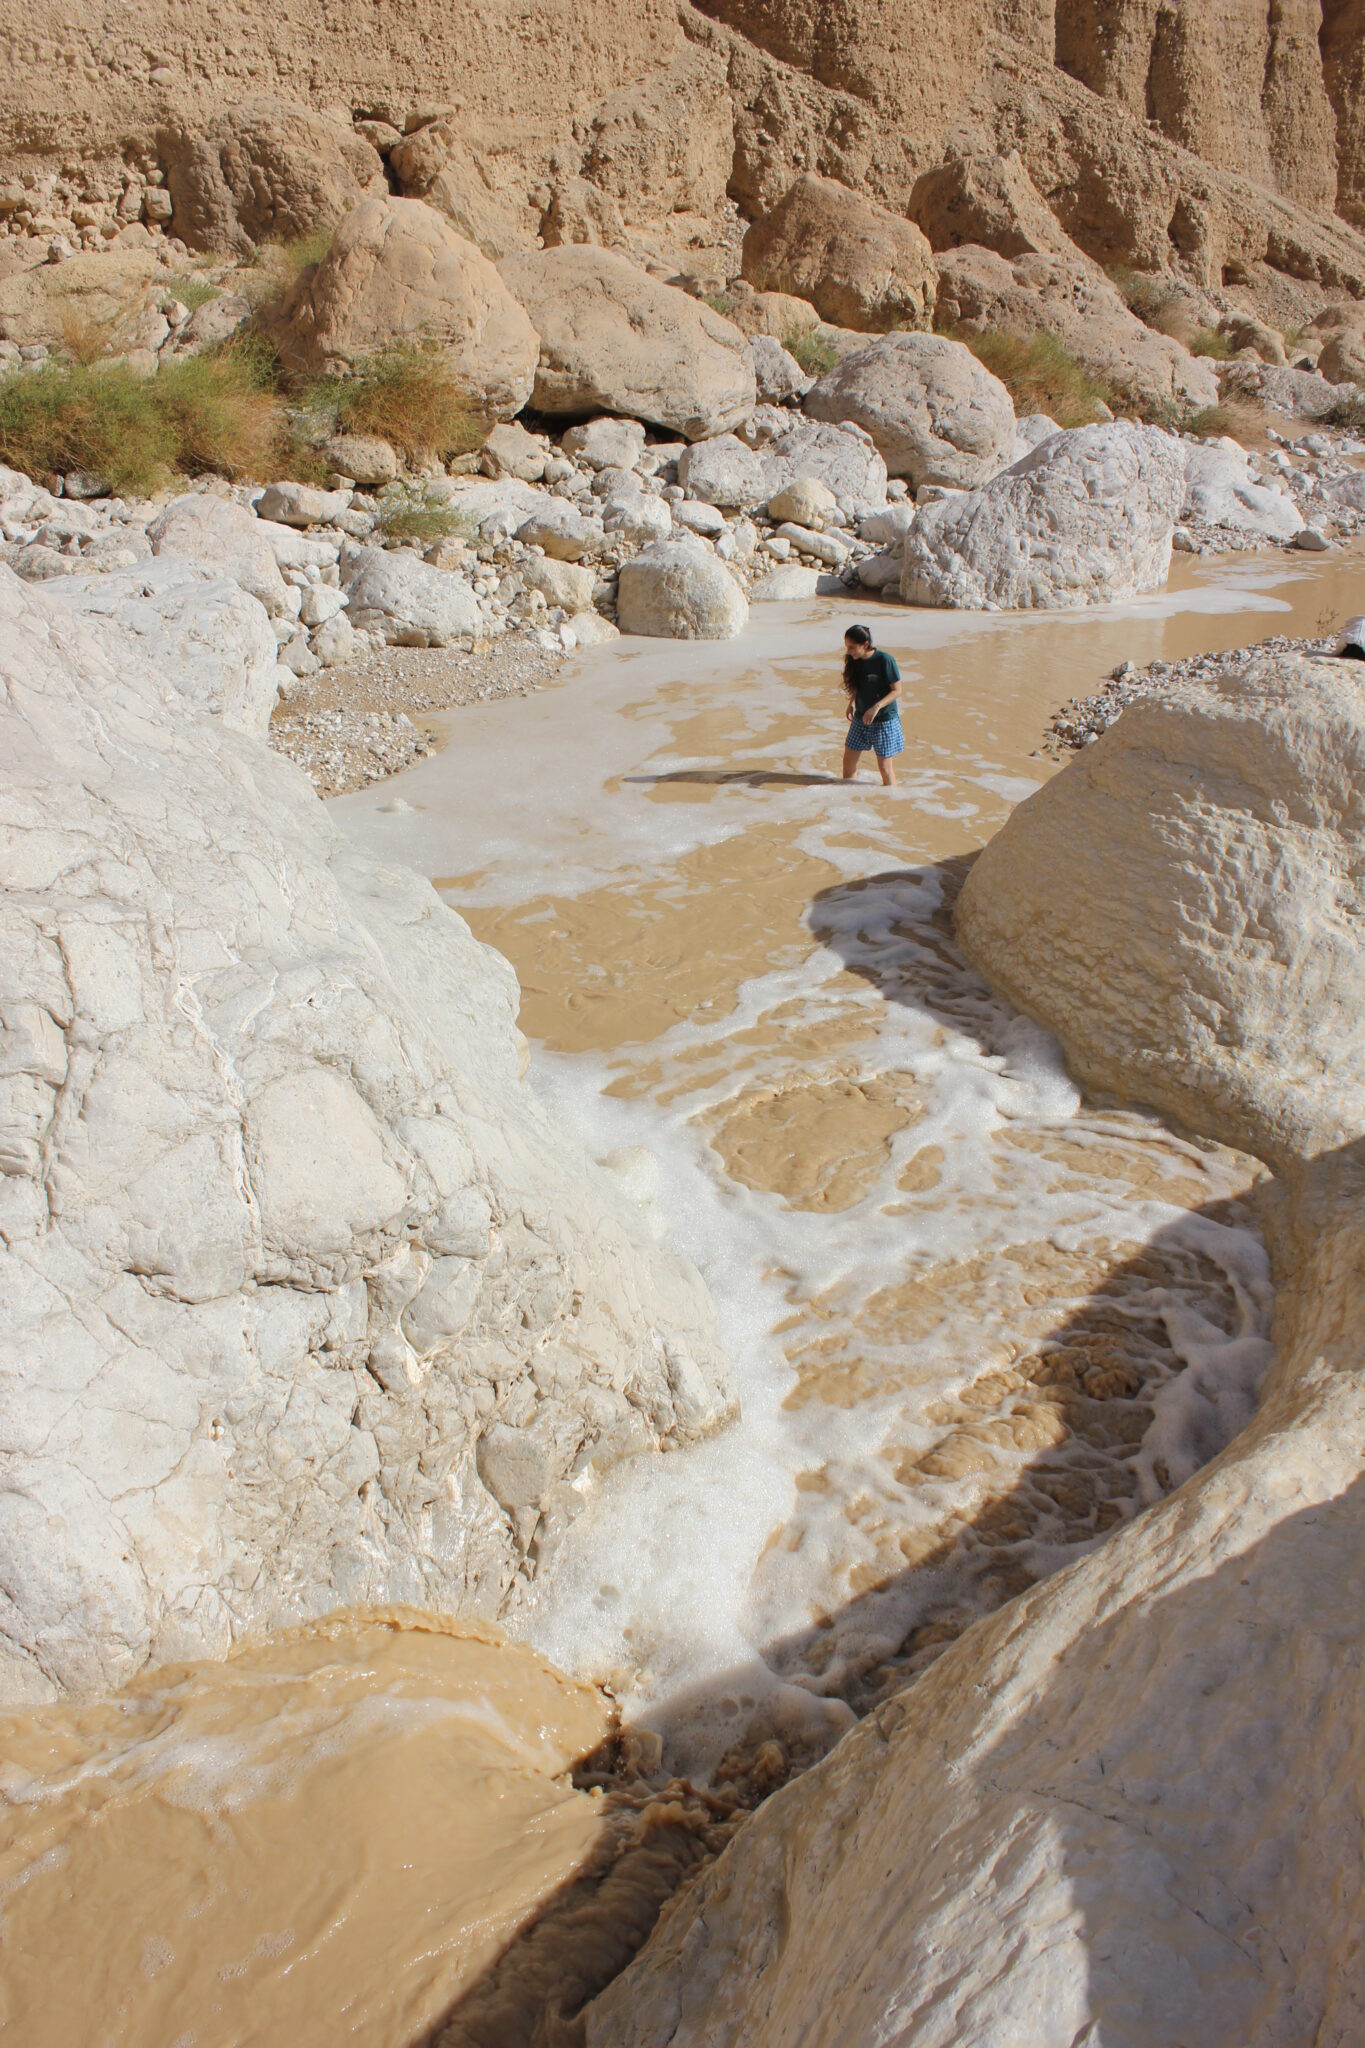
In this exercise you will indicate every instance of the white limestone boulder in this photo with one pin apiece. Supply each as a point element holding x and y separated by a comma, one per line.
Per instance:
<point>606,443</point>
<point>614,340</point>
<point>779,377</point>
<point>221,535</point>
<point>285,1234</point>
<point>677,590</point>
<point>784,583</point>
<point>636,519</point>
<point>365,458</point>
<point>213,641</point>
<point>511,451</point>
<point>1087,518</point>
<point>1222,490</point>
<point>1213,832</point>
<point>560,583</point>
<point>936,414</point>
<point>408,601</point>
<point>730,473</point>
<point>301,505</point>
<point>561,530</point>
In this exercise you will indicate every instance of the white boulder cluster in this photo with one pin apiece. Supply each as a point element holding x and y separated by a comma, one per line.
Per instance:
<point>307,1301</point>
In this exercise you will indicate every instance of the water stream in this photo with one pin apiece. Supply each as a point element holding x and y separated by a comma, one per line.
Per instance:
<point>975,1321</point>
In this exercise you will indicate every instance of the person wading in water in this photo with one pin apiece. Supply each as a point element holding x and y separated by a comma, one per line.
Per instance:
<point>873,683</point>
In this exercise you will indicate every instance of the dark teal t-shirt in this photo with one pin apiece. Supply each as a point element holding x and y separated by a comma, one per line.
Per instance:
<point>873,676</point>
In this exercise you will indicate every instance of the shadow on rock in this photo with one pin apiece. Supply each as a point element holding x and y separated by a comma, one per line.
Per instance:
<point>1037,1464</point>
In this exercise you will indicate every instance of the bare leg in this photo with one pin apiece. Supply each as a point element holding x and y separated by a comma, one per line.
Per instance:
<point>888,769</point>
<point>851,760</point>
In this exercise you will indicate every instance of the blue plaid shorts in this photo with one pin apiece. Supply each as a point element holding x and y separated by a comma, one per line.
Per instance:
<point>884,737</point>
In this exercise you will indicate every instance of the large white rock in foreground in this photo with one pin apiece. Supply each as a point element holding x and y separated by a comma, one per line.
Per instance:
<point>1184,906</point>
<point>1087,518</point>
<point>1127,1808</point>
<point>200,630</point>
<point>303,1300</point>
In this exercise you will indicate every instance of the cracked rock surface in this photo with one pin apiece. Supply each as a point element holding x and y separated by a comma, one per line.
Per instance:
<point>306,1302</point>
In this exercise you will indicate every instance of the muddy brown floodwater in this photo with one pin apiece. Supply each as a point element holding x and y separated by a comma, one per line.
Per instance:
<point>975,1320</point>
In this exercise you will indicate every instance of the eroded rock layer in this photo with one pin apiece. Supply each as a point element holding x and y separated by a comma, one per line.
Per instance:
<point>306,1303</point>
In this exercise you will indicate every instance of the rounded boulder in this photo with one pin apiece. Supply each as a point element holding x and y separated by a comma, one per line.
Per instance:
<point>935,413</point>
<point>677,590</point>
<point>397,271</point>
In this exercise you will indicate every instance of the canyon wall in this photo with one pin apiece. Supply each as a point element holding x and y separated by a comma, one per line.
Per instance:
<point>746,93</point>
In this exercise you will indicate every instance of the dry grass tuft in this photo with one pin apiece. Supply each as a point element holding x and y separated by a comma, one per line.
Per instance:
<point>208,414</point>
<point>1207,341</point>
<point>1041,375</point>
<point>408,395</point>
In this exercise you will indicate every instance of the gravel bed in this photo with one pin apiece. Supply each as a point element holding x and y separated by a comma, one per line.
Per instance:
<point>354,724</point>
<point>1081,721</point>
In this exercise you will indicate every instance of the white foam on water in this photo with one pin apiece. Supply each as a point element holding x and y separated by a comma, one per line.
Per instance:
<point>689,1578</point>
<point>695,1580</point>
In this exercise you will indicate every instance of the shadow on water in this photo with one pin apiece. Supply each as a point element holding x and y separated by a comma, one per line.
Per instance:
<point>748,778</point>
<point>1048,1447</point>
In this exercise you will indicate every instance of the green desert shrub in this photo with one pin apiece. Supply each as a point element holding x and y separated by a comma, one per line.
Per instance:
<point>409,512</point>
<point>212,413</point>
<point>812,350</point>
<point>1041,375</point>
<point>408,395</point>
<point>192,292</point>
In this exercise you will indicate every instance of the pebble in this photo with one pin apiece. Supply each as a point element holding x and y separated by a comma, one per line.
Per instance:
<point>1079,723</point>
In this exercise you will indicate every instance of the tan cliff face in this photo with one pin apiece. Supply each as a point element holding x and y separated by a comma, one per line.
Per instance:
<point>662,109</point>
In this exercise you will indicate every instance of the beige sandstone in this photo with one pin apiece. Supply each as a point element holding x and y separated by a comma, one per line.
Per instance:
<point>614,340</point>
<point>397,271</point>
<point>96,295</point>
<point>1067,295</point>
<point>1341,329</point>
<point>264,171</point>
<point>987,200</point>
<point>857,264</point>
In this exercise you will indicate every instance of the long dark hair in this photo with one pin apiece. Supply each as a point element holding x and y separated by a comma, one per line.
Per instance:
<point>863,639</point>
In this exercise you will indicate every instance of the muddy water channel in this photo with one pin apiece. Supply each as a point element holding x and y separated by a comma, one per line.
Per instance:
<point>975,1321</point>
